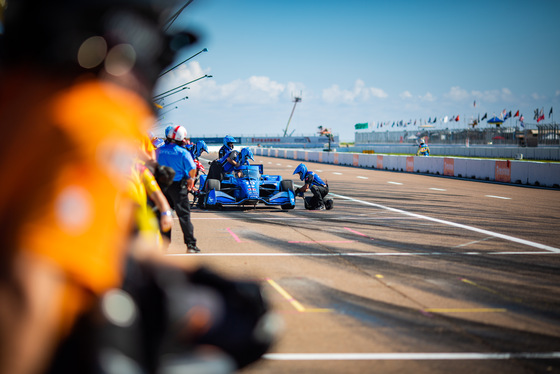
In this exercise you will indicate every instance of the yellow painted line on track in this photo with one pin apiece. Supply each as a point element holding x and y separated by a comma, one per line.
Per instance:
<point>286,295</point>
<point>490,290</point>
<point>296,304</point>
<point>465,310</point>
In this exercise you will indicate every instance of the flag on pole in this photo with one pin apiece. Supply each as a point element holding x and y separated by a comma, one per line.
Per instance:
<point>541,116</point>
<point>457,119</point>
<point>550,113</point>
<point>360,126</point>
<point>484,116</point>
<point>474,104</point>
<point>517,114</point>
<point>521,119</point>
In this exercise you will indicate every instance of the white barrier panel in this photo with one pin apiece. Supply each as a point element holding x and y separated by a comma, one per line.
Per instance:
<point>346,159</point>
<point>460,167</point>
<point>367,160</point>
<point>544,174</point>
<point>522,172</point>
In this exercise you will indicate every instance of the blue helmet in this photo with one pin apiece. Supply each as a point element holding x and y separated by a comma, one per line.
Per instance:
<point>229,139</point>
<point>301,170</point>
<point>168,131</point>
<point>200,147</point>
<point>245,154</point>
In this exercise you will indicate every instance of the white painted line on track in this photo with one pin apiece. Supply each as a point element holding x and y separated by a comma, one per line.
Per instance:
<point>411,356</point>
<point>498,197</point>
<point>319,171</point>
<point>360,218</point>
<point>458,225</point>
<point>397,183</point>
<point>438,189</point>
<point>352,254</point>
<point>473,242</point>
<point>360,177</point>
<point>254,218</point>
<point>336,173</point>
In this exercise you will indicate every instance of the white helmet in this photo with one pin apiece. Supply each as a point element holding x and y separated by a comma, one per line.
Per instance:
<point>179,133</point>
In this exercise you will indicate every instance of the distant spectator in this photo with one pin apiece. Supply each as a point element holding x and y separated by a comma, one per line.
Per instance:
<point>423,149</point>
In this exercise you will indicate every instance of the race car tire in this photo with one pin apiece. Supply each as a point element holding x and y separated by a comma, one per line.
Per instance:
<point>287,185</point>
<point>213,184</point>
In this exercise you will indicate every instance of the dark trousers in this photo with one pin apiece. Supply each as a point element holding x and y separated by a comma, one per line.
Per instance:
<point>319,192</point>
<point>216,171</point>
<point>178,197</point>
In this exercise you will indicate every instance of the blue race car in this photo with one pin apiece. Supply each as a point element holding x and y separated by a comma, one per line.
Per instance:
<point>247,185</point>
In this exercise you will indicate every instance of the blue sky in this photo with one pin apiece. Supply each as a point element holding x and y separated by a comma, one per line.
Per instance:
<point>359,61</point>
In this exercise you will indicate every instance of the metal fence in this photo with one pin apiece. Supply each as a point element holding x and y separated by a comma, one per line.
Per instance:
<point>548,134</point>
<point>531,135</point>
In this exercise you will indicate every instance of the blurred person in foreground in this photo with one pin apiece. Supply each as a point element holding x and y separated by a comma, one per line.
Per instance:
<point>78,75</point>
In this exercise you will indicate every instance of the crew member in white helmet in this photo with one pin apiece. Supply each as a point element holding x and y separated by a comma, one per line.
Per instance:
<point>173,154</point>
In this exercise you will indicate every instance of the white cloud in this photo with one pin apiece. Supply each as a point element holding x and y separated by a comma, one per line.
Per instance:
<point>358,93</point>
<point>378,92</point>
<point>493,96</point>
<point>457,94</point>
<point>253,90</point>
<point>428,97</point>
<point>406,95</point>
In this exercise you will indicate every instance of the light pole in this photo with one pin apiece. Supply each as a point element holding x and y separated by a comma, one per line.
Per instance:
<point>176,101</point>
<point>160,115</point>
<point>296,100</point>
<point>182,62</point>
<point>178,88</point>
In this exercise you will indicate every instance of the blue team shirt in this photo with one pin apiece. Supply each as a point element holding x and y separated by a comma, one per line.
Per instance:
<point>224,150</point>
<point>226,165</point>
<point>312,178</point>
<point>177,158</point>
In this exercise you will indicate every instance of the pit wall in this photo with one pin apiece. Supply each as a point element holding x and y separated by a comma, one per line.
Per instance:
<point>519,172</point>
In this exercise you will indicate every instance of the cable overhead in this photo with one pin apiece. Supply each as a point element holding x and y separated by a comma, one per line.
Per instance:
<point>174,16</point>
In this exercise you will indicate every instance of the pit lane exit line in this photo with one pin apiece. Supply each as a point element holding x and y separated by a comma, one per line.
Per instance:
<point>454,224</point>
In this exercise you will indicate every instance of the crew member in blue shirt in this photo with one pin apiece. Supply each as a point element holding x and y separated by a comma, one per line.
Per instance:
<point>314,183</point>
<point>172,154</point>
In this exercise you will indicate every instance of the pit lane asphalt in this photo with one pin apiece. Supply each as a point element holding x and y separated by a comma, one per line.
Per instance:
<point>408,273</point>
